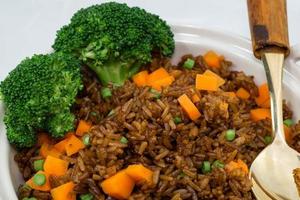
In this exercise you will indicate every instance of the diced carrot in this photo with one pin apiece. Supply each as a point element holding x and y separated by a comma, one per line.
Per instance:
<point>243,166</point>
<point>230,94</point>
<point>73,145</point>
<point>47,149</point>
<point>46,187</point>
<point>139,173</point>
<point>156,75</point>
<point>266,104</point>
<point>242,93</point>
<point>287,133</point>
<point>61,146</point>
<point>162,83</point>
<point>118,186</point>
<point>189,107</point>
<point>43,138</point>
<point>212,59</point>
<point>232,165</point>
<point>263,96</point>
<point>140,79</point>
<point>55,166</point>
<point>195,98</point>
<point>260,114</point>
<point>83,127</point>
<point>64,192</point>
<point>209,83</point>
<point>221,81</point>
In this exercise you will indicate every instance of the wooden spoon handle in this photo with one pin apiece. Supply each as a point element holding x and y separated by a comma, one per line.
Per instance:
<point>268,24</point>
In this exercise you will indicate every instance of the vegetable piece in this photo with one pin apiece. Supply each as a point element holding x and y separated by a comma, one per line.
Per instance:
<point>140,79</point>
<point>86,140</point>
<point>209,83</point>
<point>177,120</point>
<point>106,93</point>
<point>218,164</point>
<point>118,186</point>
<point>61,146</point>
<point>123,140</point>
<point>195,98</point>
<point>38,165</point>
<point>206,167</point>
<point>39,93</point>
<point>287,133</point>
<point>64,192</point>
<point>165,82</point>
<point>49,150</point>
<point>189,63</point>
<point>263,99</point>
<point>157,75</point>
<point>230,94</point>
<point>212,59</point>
<point>139,173</point>
<point>288,122</point>
<point>243,166</point>
<point>73,145</point>
<point>115,40</point>
<point>55,166</point>
<point>208,72</point>
<point>268,139</point>
<point>232,165</point>
<point>242,93</point>
<point>43,138</point>
<point>230,135</point>
<point>83,127</point>
<point>189,107</point>
<point>45,187</point>
<point>39,179</point>
<point>88,196</point>
<point>155,93</point>
<point>260,114</point>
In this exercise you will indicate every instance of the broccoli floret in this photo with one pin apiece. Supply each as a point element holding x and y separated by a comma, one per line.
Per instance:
<point>114,40</point>
<point>38,95</point>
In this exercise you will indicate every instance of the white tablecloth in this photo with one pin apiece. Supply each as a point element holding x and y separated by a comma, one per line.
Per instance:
<point>29,26</point>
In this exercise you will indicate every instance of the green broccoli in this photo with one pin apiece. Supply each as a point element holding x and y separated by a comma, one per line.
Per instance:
<point>38,95</point>
<point>114,40</point>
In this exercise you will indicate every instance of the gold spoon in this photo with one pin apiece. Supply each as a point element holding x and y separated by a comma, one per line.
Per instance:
<point>272,171</point>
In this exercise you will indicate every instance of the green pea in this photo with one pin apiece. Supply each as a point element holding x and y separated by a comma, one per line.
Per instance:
<point>268,139</point>
<point>206,168</point>
<point>230,135</point>
<point>106,93</point>
<point>288,122</point>
<point>86,140</point>
<point>218,164</point>
<point>39,179</point>
<point>123,140</point>
<point>177,120</point>
<point>38,165</point>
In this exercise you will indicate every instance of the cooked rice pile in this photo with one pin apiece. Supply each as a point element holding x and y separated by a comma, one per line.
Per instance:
<point>175,152</point>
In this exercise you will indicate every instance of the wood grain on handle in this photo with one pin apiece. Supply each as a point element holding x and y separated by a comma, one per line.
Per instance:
<point>268,24</point>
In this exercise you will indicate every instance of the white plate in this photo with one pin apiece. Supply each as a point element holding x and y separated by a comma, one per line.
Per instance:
<point>188,40</point>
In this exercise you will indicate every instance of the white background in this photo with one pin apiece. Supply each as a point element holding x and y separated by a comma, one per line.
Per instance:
<point>29,26</point>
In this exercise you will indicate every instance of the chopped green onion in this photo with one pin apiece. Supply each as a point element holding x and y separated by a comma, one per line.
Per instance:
<point>38,165</point>
<point>111,113</point>
<point>39,179</point>
<point>123,140</point>
<point>88,196</point>
<point>268,139</point>
<point>106,93</point>
<point>177,120</point>
<point>189,63</point>
<point>230,135</point>
<point>29,198</point>
<point>93,113</point>
<point>218,164</point>
<point>206,168</point>
<point>86,139</point>
<point>288,122</point>
<point>155,93</point>
<point>181,175</point>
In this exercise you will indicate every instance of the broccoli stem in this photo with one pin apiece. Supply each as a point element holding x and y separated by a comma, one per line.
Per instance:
<point>115,72</point>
